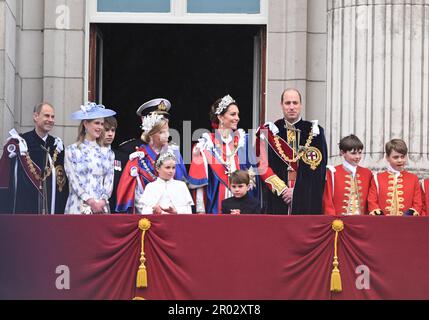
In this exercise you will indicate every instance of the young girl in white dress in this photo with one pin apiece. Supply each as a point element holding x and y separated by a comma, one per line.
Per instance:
<point>166,195</point>
<point>89,167</point>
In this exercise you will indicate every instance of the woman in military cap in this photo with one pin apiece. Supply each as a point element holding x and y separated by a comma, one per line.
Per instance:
<point>140,169</point>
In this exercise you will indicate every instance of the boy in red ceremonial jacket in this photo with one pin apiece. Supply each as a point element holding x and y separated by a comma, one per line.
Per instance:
<point>347,185</point>
<point>395,192</point>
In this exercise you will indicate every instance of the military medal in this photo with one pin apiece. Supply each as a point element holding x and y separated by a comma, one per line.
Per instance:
<point>61,177</point>
<point>312,156</point>
<point>117,165</point>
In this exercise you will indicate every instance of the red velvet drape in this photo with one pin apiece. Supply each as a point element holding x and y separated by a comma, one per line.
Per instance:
<point>213,257</point>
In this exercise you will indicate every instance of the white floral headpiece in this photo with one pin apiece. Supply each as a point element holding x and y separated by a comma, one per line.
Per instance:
<point>150,121</point>
<point>89,106</point>
<point>224,103</point>
<point>91,110</point>
<point>164,156</point>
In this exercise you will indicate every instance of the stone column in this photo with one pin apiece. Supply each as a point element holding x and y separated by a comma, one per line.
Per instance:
<point>63,72</point>
<point>29,47</point>
<point>8,22</point>
<point>296,55</point>
<point>378,77</point>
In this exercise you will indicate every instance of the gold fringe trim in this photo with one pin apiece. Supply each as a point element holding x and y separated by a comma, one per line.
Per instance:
<point>337,226</point>
<point>144,225</point>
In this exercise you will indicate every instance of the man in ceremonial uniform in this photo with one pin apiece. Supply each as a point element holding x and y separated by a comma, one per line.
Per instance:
<point>293,158</point>
<point>32,176</point>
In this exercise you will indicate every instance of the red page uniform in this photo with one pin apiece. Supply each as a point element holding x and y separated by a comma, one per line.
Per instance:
<point>395,193</point>
<point>346,190</point>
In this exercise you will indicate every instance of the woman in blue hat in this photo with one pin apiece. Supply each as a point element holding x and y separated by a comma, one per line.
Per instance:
<point>89,167</point>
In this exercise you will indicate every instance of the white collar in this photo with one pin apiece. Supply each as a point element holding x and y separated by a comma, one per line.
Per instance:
<point>350,167</point>
<point>159,180</point>
<point>391,170</point>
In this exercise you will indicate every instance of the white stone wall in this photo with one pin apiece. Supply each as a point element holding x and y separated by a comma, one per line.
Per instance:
<point>8,64</point>
<point>63,74</point>
<point>48,62</point>
<point>378,77</point>
<point>41,59</point>
<point>29,76</point>
<point>296,55</point>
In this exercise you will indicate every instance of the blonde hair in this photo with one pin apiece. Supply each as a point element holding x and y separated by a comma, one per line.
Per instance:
<point>156,128</point>
<point>82,132</point>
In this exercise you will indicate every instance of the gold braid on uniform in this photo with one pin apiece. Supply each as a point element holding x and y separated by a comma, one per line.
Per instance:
<point>300,153</point>
<point>47,171</point>
<point>277,184</point>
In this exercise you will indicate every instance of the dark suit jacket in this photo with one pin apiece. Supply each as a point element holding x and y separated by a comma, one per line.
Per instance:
<point>246,205</point>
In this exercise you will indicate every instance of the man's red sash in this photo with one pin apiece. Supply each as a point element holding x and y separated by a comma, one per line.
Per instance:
<point>5,167</point>
<point>278,145</point>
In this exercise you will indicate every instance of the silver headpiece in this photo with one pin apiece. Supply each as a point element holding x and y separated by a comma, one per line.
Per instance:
<point>164,156</point>
<point>224,103</point>
<point>151,121</point>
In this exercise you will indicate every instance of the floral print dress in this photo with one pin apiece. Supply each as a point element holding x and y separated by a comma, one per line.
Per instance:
<point>90,171</point>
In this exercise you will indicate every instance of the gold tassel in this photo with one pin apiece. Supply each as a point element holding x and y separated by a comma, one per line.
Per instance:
<point>337,226</point>
<point>144,225</point>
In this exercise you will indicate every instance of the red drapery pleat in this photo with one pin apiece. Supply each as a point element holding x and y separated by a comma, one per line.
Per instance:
<point>213,257</point>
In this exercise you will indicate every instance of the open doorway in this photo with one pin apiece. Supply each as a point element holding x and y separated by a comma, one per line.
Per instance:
<point>190,65</point>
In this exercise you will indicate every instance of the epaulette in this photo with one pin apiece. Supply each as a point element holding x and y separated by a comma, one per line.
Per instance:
<point>125,142</point>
